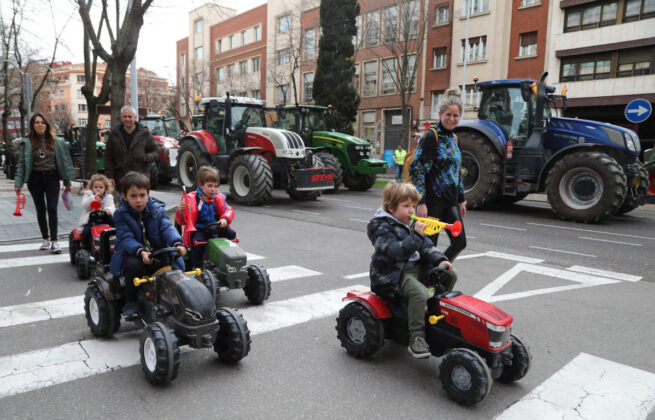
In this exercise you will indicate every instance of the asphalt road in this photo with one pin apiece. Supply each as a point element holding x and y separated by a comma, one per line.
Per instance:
<point>580,296</point>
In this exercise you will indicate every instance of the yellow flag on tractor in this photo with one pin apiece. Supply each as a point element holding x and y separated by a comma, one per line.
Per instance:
<point>533,86</point>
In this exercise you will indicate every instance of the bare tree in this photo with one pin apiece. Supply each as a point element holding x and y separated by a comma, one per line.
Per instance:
<point>285,62</point>
<point>8,29</point>
<point>405,27</point>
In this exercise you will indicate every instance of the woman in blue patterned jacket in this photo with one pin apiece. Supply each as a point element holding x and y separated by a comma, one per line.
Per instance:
<point>435,171</point>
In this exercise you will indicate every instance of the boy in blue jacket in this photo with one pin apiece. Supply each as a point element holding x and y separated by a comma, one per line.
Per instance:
<point>142,226</point>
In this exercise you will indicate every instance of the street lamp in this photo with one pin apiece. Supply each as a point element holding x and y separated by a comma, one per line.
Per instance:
<point>26,82</point>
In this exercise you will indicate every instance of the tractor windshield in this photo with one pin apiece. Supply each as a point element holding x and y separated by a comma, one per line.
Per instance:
<point>247,116</point>
<point>318,119</point>
<point>505,106</point>
<point>172,129</point>
<point>156,126</point>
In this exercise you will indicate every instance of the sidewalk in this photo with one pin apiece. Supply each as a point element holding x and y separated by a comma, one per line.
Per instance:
<point>26,227</point>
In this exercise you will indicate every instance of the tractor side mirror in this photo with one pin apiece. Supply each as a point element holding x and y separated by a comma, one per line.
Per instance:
<point>525,91</point>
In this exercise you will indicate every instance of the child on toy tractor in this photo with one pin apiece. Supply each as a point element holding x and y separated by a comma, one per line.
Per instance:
<point>402,255</point>
<point>97,198</point>
<point>202,208</point>
<point>142,226</point>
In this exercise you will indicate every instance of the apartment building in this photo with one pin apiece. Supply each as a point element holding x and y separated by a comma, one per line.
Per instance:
<point>603,51</point>
<point>527,42</point>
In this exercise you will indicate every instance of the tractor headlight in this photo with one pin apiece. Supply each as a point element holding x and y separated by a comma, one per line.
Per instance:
<point>632,142</point>
<point>498,335</point>
<point>167,145</point>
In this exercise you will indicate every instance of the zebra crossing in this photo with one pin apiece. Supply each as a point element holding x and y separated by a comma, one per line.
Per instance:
<point>624,389</point>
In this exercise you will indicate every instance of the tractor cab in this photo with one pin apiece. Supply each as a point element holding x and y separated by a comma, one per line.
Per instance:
<point>305,120</point>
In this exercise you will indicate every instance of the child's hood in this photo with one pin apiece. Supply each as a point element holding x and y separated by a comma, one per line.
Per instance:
<point>382,216</point>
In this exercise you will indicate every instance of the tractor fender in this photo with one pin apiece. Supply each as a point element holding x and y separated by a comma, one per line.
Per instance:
<point>103,285</point>
<point>253,150</point>
<point>372,302</point>
<point>557,156</point>
<point>488,129</point>
<point>198,140</point>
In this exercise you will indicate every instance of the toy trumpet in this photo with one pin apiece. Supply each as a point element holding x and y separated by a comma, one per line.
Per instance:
<point>20,204</point>
<point>95,205</point>
<point>434,226</point>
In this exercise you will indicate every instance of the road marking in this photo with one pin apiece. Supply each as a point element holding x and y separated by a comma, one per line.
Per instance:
<point>591,231</point>
<point>582,280</point>
<point>307,212</point>
<point>74,305</point>
<point>607,240</point>
<point>502,227</point>
<point>360,220</point>
<point>356,276</point>
<point>562,251</point>
<point>253,257</point>
<point>336,199</point>
<point>588,387</point>
<point>46,367</point>
<point>503,256</point>
<point>38,260</point>
<point>603,273</point>
<point>28,247</point>
<point>359,208</point>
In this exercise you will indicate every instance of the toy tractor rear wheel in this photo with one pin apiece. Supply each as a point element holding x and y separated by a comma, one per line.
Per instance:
<point>233,339</point>
<point>73,247</point>
<point>330,161</point>
<point>102,317</point>
<point>359,332</point>
<point>258,285</point>
<point>83,260</point>
<point>211,283</point>
<point>520,362</point>
<point>481,170</point>
<point>359,182</point>
<point>191,158</point>
<point>465,376</point>
<point>160,353</point>
<point>251,180</point>
<point>632,196</point>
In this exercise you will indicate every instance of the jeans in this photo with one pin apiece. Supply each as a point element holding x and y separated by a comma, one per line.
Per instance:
<point>448,213</point>
<point>44,188</point>
<point>399,172</point>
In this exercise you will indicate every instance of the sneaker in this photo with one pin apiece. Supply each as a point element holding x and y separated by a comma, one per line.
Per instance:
<point>131,311</point>
<point>55,248</point>
<point>419,348</point>
<point>45,245</point>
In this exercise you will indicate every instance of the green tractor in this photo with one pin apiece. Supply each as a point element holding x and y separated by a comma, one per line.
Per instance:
<point>350,156</point>
<point>75,136</point>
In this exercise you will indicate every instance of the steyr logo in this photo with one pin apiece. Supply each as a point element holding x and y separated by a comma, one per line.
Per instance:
<point>322,177</point>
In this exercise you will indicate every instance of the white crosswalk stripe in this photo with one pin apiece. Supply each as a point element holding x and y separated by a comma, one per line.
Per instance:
<point>46,367</point>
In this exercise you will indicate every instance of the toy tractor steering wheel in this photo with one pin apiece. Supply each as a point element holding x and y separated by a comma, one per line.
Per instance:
<point>166,255</point>
<point>211,230</point>
<point>433,277</point>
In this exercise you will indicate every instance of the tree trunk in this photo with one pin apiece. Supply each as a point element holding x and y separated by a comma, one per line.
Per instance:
<point>91,164</point>
<point>404,132</point>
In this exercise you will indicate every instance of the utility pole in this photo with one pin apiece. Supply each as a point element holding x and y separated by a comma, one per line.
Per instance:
<point>467,9</point>
<point>134,93</point>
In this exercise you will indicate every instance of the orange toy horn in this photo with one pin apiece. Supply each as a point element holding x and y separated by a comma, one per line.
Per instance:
<point>95,205</point>
<point>20,204</point>
<point>455,228</point>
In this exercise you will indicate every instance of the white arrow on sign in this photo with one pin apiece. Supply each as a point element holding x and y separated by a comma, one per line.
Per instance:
<point>639,111</point>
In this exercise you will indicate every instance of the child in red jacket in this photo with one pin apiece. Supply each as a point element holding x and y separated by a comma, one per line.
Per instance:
<point>205,205</point>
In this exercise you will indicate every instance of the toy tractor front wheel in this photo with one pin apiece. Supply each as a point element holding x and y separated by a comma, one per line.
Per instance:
<point>258,285</point>
<point>465,376</point>
<point>83,261</point>
<point>233,339</point>
<point>102,317</point>
<point>160,353</point>
<point>520,362</point>
<point>359,332</point>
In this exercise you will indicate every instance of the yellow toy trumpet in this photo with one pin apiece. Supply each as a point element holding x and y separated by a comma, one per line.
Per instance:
<point>434,226</point>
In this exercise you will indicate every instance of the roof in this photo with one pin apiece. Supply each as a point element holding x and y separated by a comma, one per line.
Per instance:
<point>235,99</point>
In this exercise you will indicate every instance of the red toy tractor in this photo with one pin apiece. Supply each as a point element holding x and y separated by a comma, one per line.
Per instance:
<point>85,256</point>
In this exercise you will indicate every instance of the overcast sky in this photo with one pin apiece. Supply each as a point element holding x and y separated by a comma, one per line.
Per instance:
<point>165,22</point>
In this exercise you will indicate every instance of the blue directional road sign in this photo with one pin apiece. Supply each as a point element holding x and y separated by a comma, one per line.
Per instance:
<point>638,110</point>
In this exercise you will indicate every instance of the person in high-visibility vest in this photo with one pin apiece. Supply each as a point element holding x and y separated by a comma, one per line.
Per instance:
<point>399,160</point>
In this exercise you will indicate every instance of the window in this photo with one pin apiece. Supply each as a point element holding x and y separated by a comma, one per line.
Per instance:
<point>528,44</point>
<point>368,125</point>
<point>525,3</point>
<point>183,60</point>
<point>370,78</point>
<point>356,78</point>
<point>199,79</point>
<point>54,94</point>
<point>638,9</point>
<point>434,104</point>
<point>284,23</point>
<point>439,57</point>
<point>258,33</point>
<point>283,57</point>
<point>590,16</point>
<point>82,121</point>
<point>243,67</point>
<point>442,14</point>
<point>634,62</point>
<point>410,16</point>
<point>81,78</point>
<point>282,92</point>
<point>471,97</point>
<point>81,107</point>
<point>198,25</point>
<point>387,86</point>
<point>230,71</point>
<point>475,7</point>
<point>107,123</point>
<point>357,39</point>
<point>220,74</point>
<point>586,68</point>
<point>476,50</point>
<point>372,28</point>
<point>255,64</point>
<point>56,107</point>
<point>79,93</point>
<point>199,54</point>
<point>307,87</point>
<point>244,39</point>
<point>309,44</point>
<point>411,70</point>
<point>390,28</point>
<point>61,94</point>
<point>257,94</point>
<point>49,109</point>
<point>231,41</point>
<point>219,46</point>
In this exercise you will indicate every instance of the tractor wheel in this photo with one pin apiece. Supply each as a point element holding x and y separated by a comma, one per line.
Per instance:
<point>359,182</point>
<point>330,161</point>
<point>211,282</point>
<point>153,174</point>
<point>102,317</point>
<point>359,332</point>
<point>520,362</point>
<point>481,170</point>
<point>465,376</point>
<point>73,247</point>
<point>632,196</point>
<point>160,353</point>
<point>251,180</point>
<point>233,339</point>
<point>191,158</point>
<point>308,195</point>
<point>83,260</point>
<point>258,285</point>
<point>586,186</point>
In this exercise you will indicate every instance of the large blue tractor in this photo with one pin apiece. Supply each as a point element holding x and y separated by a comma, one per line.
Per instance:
<point>588,169</point>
